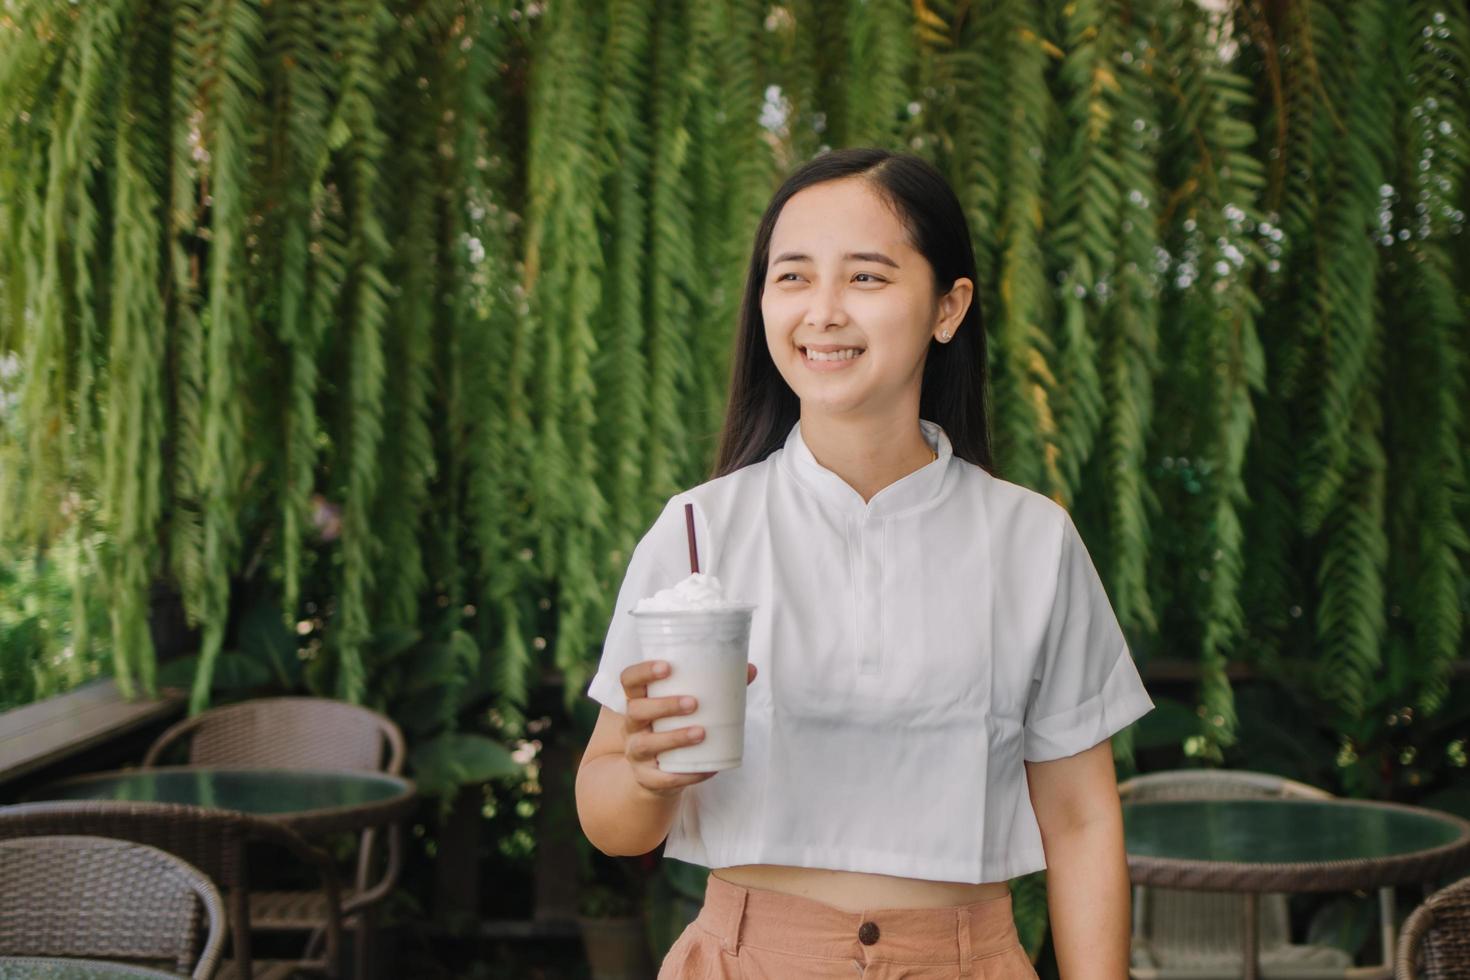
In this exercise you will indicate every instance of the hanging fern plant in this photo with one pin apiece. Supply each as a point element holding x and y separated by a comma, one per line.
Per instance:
<point>411,313</point>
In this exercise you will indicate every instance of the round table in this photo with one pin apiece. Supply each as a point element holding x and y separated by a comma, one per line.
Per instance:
<point>308,801</point>
<point>1256,845</point>
<point>49,968</point>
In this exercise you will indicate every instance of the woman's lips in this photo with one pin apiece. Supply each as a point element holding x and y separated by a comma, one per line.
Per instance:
<point>826,366</point>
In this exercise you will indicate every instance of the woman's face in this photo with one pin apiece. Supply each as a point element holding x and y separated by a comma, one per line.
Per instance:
<point>841,274</point>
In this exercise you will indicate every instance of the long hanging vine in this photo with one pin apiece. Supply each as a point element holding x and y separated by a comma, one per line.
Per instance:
<point>230,39</point>
<point>1435,170</point>
<point>131,489</point>
<point>1027,440</point>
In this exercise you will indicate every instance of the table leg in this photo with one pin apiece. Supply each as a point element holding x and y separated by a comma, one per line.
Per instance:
<point>240,930</point>
<point>1251,966</point>
<point>1386,919</point>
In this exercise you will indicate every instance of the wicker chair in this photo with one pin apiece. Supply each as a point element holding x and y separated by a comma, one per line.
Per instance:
<point>108,899</point>
<point>1435,942</point>
<point>1179,934</point>
<point>302,733</point>
<point>216,842</point>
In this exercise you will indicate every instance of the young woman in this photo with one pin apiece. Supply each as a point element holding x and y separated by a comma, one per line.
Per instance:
<point>935,668</point>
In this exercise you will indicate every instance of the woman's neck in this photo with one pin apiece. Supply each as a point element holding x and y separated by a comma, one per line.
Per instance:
<point>868,455</point>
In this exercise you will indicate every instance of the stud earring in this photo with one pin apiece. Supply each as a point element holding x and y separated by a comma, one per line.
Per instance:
<point>944,336</point>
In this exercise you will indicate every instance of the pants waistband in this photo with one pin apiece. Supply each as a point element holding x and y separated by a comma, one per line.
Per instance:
<point>775,920</point>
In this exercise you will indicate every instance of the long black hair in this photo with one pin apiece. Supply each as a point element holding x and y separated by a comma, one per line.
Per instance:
<point>762,407</point>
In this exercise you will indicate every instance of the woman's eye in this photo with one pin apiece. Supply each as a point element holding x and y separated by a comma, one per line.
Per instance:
<point>871,277</point>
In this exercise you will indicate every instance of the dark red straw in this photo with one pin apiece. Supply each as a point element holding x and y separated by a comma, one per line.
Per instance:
<point>693,550</point>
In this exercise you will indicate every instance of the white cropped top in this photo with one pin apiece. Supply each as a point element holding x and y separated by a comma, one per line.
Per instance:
<point>912,651</point>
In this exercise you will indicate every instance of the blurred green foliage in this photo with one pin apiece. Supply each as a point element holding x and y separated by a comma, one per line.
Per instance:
<point>38,636</point>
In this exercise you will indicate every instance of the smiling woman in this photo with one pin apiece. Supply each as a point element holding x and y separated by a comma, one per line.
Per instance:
<point>850,328</point>
<point>934,658</point>
<point>865,250</point>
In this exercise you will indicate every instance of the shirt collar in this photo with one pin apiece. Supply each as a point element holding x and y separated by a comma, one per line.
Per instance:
<point>919,487</point>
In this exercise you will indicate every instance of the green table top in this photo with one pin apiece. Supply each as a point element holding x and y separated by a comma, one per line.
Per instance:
<point>1359,839</point>
<point>47,968</point>
<point>306,799</point>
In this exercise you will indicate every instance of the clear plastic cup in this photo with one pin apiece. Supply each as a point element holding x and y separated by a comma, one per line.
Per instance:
<point>707,650</point>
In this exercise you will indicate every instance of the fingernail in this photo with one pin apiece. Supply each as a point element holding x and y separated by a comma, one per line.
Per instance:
<point>695,734</point>
<point>660,670</point>
<point>686,703</point>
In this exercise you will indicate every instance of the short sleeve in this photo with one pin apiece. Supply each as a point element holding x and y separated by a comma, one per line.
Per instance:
<point>653,566</point>
<point>1086,686</point>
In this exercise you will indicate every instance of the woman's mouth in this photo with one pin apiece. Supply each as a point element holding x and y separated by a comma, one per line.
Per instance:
<point>830,360</point>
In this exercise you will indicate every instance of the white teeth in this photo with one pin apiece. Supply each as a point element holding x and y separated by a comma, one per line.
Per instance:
<point>841,355</point>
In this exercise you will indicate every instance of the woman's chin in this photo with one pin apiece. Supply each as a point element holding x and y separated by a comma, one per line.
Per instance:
<point>829,402</point>
<point>834,393</point>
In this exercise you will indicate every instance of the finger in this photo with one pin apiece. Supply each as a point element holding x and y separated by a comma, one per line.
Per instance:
<point>659,781</point>
<point>641,711</point>
<point>750,673</point>
<point>635,678</point>
<point>648,744</point>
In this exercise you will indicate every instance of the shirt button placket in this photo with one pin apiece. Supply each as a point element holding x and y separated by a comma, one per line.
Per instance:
<point>870,598</point>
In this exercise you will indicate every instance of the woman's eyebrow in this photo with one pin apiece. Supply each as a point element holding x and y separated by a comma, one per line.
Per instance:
<point>850,256</point>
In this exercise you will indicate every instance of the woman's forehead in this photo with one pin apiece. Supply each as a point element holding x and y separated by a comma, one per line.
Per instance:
<point>837,216</point>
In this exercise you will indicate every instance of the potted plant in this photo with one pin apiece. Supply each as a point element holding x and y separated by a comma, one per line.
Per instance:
<point>672,900</point>
<point>610,907</point>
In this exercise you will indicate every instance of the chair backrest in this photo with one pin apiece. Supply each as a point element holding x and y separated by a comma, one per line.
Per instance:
<point>107,899</point>
<point>1207,784</point>
<point>216,842</point>
<point>288,733</point>
<point>1435,941</point>
<point>1205,927</point>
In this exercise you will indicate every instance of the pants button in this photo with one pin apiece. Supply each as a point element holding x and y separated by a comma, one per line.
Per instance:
<point>868,933</point>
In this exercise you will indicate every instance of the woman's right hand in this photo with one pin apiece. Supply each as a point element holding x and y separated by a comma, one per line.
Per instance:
<point>641,744</point>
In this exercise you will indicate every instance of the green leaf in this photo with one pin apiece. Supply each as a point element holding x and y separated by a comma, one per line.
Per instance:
<point>1169,724</point>
<point>455,759</point>
<point>1344,922</point>
<point>265,638</point>
<point>391,644</point>
<point>436,665</point>
<point>686,878</point>
<point>178,672</point>
<point>428,710</point>
<point>234,671</point>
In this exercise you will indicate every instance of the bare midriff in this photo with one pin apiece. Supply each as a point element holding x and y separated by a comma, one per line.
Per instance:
<point>855,891</point>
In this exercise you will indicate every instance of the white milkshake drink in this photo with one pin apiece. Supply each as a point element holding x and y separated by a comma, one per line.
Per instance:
<point>705,638</point>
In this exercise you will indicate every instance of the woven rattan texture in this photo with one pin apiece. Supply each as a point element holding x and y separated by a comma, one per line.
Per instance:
<point>1216,784</point>
<point>287,733</point>
<point>211,840</point>
<point>214,841</point>
<point>1435,942</point>
<point>107,899</point>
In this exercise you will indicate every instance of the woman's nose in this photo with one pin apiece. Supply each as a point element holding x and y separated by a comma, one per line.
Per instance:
<point>824,305</point>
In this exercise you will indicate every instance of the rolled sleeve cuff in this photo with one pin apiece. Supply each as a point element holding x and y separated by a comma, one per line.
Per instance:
<point>1122,701</point>
<point>608,691</point>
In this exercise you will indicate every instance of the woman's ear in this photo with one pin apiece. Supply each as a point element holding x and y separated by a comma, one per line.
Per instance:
<point>952,308</point>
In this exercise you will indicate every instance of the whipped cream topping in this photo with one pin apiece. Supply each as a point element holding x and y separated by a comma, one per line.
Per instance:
<point>698,591</point>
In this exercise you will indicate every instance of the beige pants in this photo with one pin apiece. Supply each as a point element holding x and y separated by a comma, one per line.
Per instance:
<point>756,934</point>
